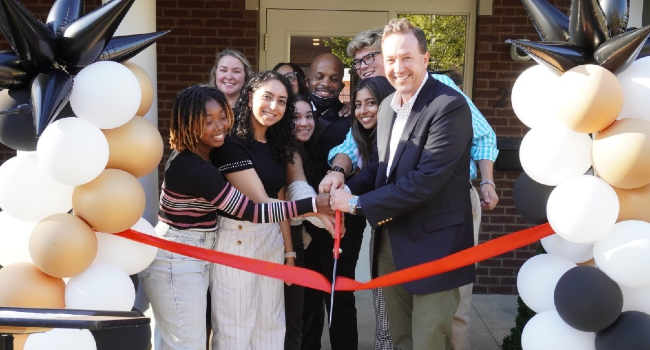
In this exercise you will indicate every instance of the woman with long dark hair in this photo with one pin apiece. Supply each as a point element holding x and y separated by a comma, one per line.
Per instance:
<point>192,193</point>
<point>248,309</point>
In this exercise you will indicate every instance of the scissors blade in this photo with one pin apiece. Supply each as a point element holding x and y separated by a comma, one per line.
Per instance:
<point>336,251</point>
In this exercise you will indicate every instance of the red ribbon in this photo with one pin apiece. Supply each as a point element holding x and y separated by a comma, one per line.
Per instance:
<point>315,280</point>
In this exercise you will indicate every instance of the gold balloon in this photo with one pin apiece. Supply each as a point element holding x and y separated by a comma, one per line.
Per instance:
<point>621,152</point>
<point>112,202</point>
<point>590,262</point>
<point>146,86</point>
<point>135,147</point>
<point>62,245</point>
<point>634,203</point>
<point>24,285</point>
<point>19,341</point>
<point>589,99</point>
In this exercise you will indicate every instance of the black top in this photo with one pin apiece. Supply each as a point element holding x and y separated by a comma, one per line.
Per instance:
<point>235,155</point>
<point>194,190</point>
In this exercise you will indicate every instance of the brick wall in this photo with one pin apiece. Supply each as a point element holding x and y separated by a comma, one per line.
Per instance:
<point>495,74</point>
<point>203,27</point>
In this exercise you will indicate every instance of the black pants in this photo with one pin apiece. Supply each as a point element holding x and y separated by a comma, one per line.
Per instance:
<point>318,257</point>
<point>294,297</point>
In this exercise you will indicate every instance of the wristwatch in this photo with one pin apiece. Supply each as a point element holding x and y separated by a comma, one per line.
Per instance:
<point>339,169</point>
<point>353,205</point>
<point>487,182</point>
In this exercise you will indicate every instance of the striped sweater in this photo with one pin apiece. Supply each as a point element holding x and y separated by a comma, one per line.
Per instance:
<point>194,191</point>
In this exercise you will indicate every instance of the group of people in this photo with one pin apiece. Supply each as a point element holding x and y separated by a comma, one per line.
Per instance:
<point>259,163</point>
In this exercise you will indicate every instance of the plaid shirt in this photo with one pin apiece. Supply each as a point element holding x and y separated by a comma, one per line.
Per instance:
<point>484,141</point>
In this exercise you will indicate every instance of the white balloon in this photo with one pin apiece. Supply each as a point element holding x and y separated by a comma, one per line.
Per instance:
<point>636,299</point>
<point>61,339</point>
<point>14,239</point>
<point>537,279</point>
<point>548,331</point>
<point>624,254</point>
<point>635,81</point>
<point>100,287</point>
<point>534,95</point>
<point>576,252</point>
<point>72,151</point>
<point>583,209</point>
<point>553,153</point>
<point>106,94</point>
<point>27,193</point>
<point>130,256</point>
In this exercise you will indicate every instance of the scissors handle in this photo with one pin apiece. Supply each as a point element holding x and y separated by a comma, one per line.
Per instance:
<point>337,234</point>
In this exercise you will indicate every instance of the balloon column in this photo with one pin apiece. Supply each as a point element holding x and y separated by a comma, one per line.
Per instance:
<point>589,147</point>
<point>74,180</point>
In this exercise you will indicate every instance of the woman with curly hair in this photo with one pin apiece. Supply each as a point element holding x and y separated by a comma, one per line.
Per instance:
<point>192,193</point>
<point>248,309</point>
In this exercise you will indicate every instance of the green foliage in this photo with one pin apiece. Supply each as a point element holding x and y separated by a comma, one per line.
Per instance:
<point>339,46</point>
<point>513,341</point>
<point>446,39</point>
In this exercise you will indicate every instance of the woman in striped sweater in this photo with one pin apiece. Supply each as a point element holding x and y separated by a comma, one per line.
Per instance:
<point>192,193</point>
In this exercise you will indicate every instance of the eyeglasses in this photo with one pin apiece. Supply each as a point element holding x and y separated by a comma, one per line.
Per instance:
<point>367,59</point>
<point>291,76</point>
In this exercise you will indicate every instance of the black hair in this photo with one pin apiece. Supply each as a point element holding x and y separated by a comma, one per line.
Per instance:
<point>279,135</point>
<point>379,88</point>
<point>300,75</point>
<point>188,115</point>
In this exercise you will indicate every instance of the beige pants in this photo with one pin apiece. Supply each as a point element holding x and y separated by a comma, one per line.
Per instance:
<point>460,323</point>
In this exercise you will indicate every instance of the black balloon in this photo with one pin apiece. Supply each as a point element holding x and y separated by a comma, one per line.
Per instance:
<point>587,299</point>
<point>125,338</point>
<point>50,93</point>
<point>619,52</point>
<point>16,130</point>
<point>62,13</point>
<point>588,25</point>
<point>558,55</point>
<point>530,199</point>
<point>630,331</point>
<point>83,40</point>
<point>551,23</point>
<point>617,14</point>
<point>13,74</point>
<point>122,48</point>
<point>33,41</point>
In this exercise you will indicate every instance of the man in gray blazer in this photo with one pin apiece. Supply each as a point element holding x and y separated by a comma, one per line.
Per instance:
<point>420,202</point>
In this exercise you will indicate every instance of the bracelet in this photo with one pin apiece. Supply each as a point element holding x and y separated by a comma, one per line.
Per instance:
<point>313,204</point>
<point>338,169</point>
<point>488,182</point>
<point>290,255</point>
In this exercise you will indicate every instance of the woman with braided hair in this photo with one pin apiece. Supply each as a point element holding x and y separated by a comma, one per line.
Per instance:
<point>192,193</point>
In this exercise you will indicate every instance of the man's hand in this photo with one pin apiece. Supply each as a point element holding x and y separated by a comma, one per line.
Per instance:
<point>340,199</point>
<point>323,204</point>
<point>490,198</point>
<point>332,181</point>
<point>345,110</point>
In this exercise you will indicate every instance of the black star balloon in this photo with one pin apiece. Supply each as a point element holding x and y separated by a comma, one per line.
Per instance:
<point>45,56</point>
<point>594,32</point>
<point>558,55</point>
<point>551,23</point>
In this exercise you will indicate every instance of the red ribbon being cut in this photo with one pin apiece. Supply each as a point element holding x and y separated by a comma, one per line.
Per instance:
<point>312,279</point>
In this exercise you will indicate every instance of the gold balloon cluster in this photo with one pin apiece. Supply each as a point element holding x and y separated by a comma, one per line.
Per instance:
<point>64,245</point>
<point>590,100</point>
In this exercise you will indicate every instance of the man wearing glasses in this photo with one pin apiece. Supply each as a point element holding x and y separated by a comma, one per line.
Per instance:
<point>368,62</point>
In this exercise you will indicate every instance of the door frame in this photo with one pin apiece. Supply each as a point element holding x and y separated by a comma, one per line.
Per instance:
<point>443,7</point>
